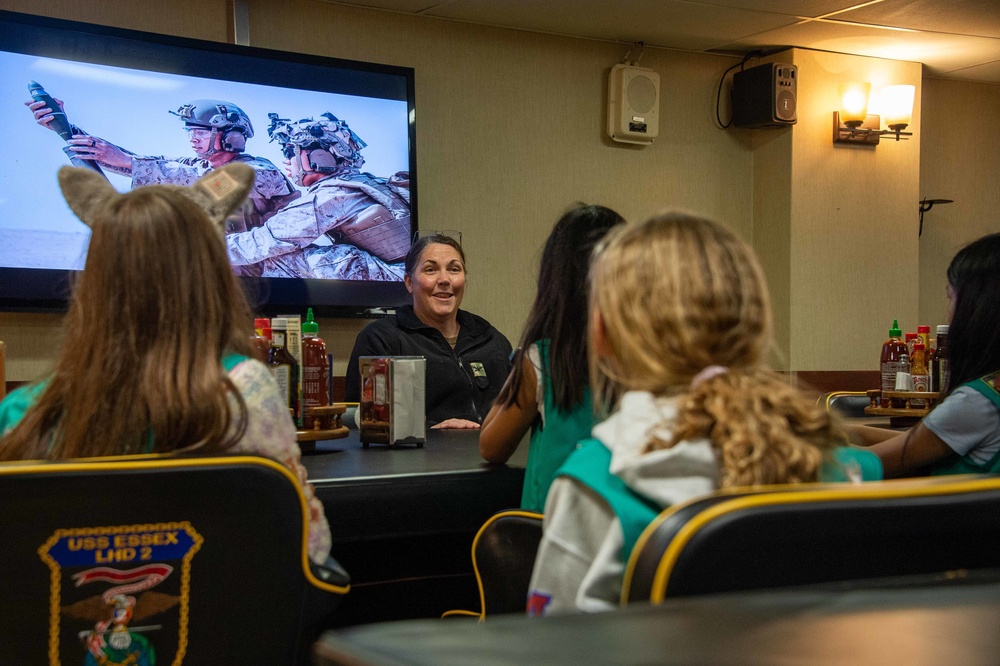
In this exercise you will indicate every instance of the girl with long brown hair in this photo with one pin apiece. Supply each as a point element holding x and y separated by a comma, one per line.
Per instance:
<point>156,356</point>
<point>680,322</point>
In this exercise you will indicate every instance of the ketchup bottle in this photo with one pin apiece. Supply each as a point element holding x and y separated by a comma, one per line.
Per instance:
<point>260,343</point>
<point>315,366</point>
<point>894,359</point>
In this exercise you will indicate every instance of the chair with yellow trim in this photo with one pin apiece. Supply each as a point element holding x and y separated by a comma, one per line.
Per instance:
<point>503,556</point>
<point>848,404</point>
<point>181,560</point>
<point>855,536</point>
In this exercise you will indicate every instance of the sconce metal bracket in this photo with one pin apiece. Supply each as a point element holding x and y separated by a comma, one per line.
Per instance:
<point>867,134</point>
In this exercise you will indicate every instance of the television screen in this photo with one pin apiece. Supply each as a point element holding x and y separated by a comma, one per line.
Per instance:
<point>333,208</point>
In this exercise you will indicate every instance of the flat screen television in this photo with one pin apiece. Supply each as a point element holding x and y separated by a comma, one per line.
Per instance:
<point>127,88</point>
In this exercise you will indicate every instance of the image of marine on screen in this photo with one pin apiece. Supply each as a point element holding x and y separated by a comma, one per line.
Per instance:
<point>349,225</point>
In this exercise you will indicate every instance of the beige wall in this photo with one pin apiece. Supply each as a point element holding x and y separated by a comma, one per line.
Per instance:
<point>834,224</point>
<point>959,160</point>
<point>510,130</point>
<point>855,258</point>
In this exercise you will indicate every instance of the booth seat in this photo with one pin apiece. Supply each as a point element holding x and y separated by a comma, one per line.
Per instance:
<point>867,535</point>
<point>193,560</point>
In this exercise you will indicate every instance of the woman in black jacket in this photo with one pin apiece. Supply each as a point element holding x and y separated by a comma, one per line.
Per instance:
<point>467,359</point>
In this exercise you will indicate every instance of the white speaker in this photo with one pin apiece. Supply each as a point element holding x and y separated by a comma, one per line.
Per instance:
<point>633,104</point>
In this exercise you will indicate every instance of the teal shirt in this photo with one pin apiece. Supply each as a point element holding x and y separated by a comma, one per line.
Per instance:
<point>590,464</point>
<point>552,443</point>
<point>17,402</point>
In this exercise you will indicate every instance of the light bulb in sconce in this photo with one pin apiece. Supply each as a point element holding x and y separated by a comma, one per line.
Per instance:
<point>853,125</point>
<point>897,106</point>
<point>854,103</point>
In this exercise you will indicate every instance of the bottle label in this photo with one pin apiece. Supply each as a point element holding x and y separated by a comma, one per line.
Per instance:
<point>889,370</point>
<point>283,375</point>
<point>920,383</point>
<point>277,339</point>
<point>380,389</point>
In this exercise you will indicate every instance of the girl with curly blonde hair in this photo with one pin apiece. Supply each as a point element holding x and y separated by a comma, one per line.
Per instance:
<point>680,322</point>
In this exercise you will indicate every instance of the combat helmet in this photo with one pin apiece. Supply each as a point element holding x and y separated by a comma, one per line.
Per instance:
<point>224,118</point>
<point>329,134</point>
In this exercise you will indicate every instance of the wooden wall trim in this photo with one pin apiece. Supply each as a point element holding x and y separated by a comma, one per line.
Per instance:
<point>824,381</point>
<point>817,380</point>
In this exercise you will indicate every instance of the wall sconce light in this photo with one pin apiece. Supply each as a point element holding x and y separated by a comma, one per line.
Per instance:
<point>853,124</point>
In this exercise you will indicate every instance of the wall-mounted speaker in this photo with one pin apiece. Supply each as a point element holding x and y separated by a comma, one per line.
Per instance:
<point>633,104</point>
<point>764,96</point>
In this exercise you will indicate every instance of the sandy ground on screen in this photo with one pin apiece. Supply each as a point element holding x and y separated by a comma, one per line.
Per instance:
<point>26,248</point>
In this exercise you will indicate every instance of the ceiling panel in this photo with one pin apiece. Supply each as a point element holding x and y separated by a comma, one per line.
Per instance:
<point>988,72</point>
<point>668,23</point>
<point>405,6</point>
<point>964,17</point>
<point>939,52</point>
<point>959,38</point>
<point>804,8</point>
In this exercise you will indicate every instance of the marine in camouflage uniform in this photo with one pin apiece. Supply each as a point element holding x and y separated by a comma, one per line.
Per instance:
<point>318,235</point>
<point>228,129</point>
<point>218,133</point>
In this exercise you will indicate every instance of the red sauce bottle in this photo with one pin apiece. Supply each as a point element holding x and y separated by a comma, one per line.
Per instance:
<point>260,343</point>
<point>894,359</point>
<point>315,365</point>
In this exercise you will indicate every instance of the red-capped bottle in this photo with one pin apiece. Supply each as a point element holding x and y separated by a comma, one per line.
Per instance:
<point>260,343</point>
<point>925,334</point>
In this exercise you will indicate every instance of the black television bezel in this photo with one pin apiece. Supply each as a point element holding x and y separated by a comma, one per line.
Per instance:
<point>47,290</point>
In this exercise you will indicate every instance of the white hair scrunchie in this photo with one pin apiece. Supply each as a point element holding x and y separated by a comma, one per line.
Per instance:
<point>708,373</point>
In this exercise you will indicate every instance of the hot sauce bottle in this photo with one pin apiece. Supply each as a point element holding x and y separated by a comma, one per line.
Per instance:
<point>315,366</point>
<point>925,334</point>
<point>918,369</point>
<point>894,359</point>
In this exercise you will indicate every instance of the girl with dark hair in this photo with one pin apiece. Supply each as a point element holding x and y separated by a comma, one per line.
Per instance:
<point>547,388</point>
<point>467,359</point>
<point>962,433</point>
<point>159,359</point>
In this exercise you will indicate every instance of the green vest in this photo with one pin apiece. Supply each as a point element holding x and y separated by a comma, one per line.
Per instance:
<point>590,464</point>
<point>989,386</point>
<point>552,443</point>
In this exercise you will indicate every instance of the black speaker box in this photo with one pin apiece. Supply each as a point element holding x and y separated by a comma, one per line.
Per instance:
<point>764,96</point>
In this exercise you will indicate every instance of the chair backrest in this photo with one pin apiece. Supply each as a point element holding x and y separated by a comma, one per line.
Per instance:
<point>200,560</point>
<point>814,534</point>
<point>848,404</point>
<point>503,556</point>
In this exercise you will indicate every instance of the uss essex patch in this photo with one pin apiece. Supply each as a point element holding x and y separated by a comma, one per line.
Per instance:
<point>119,595</point>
